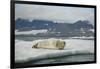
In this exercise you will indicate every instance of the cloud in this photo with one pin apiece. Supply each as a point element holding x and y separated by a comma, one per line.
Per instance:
<point>54,13</point>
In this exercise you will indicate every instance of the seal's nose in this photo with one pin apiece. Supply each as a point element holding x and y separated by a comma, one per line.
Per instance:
<point>64,42</point>
<point>33,46</point>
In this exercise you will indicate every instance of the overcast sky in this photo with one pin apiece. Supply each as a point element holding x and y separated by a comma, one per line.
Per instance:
<point>54,13</point>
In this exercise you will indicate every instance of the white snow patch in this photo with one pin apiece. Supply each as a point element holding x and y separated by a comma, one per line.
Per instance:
<point>92,30</point>
<point>34,32</point>
<point>82,29</point>
<point>83,37</point>
<point>46,24</point>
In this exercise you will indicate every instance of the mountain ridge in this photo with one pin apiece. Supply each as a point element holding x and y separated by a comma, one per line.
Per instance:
<point>79,28</point>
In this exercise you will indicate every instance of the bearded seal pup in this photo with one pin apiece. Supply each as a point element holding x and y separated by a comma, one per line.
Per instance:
<point>50,44</point>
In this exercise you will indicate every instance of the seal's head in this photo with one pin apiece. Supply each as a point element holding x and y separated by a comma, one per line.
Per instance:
<point>35,46</point>
<point>60,44</point>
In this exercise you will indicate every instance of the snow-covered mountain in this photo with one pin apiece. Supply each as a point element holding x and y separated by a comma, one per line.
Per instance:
<point>79,28</point>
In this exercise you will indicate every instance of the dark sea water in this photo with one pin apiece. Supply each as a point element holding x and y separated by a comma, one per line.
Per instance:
<point>67,59</point>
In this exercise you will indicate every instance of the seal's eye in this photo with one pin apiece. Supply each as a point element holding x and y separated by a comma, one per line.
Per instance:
<point>64,43</point>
